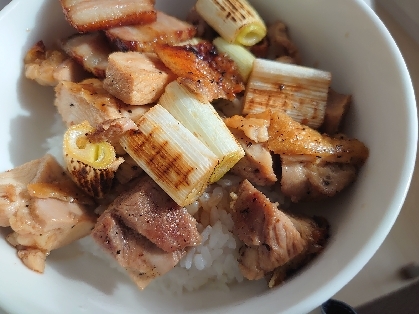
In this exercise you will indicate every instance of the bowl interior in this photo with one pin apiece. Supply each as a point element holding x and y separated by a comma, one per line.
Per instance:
<point>364,62</point>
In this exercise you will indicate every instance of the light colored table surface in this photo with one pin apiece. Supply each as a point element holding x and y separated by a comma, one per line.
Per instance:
<point>380,275</point>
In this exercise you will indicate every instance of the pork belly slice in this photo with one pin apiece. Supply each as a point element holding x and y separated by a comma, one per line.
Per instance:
<point>44,209</point>
<point>165,30</point>
<point>91,50</point>
<point>88,100</point>
<point>257,164</point>
<point>49,67</point>
<point>148,210</point>
<point>315,232</point>
<point>205,72</point>
<point>136,78</point>
<point>305,180</point>
<point>270,238</point>
<point>336,108</point>
<point>93,15</point>
<point>142,259</point>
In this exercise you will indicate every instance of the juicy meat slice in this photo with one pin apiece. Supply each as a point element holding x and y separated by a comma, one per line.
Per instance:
<point>88,100</point>
<point>111,130</point>
<point>165,29</point>
<point>44,209</point>
<point>256,165</point>
<point>205,72</point>
<point>49,67</point>
<point>142,259</point>
<point>91,50</point>
<point>136,78</point>
<point>255,129</point>
<point>270,237</point>
<point>148,210</point>
<point>93,15</point>
<point>281,44</point>
<point>302,180</point>
<point>336,108</point>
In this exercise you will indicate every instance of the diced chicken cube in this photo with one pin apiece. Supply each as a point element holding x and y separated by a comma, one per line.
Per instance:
<point>136,78</point>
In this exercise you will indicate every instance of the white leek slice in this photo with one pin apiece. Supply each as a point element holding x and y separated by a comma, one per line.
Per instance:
<point>240,55</point>
<point>299,91</point>
<point>235,20</point>
<point>205,123</point>
<point>171,155</point>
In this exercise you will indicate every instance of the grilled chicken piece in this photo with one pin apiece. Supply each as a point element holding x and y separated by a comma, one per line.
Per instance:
<point>165,30</point>
<point>255,129</point>
<point>148,210</point>
<point>88,100</point>
<point>281,44</point>
<point>205,72</point>
<point>44,208</point>
<point>315,232</point>
<point>136,78</point>
<point>336,108</point>
<point>49,67</point>
<point>256,165</point>
<point>90,50</point>
<point>93,15</point>
<point>142,259</point>
<point>128,170</point>
<point>269,235</point>
<point>314,180</point>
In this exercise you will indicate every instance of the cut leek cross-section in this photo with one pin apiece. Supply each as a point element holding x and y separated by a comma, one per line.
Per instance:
<point>171,155</point>
<point>92,166</point>
<point>299,91</point>
<point>203,121</point>
<point>235,20</point>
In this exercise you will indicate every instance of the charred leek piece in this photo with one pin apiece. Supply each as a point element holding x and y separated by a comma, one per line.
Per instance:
<point>203,121</point>
<point>91,165</point>
<point>235,20</point>
<point>240,55</point>
<point>171,155</point>
<point>300,92</point>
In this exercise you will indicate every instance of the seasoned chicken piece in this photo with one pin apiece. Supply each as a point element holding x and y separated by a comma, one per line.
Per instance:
<point>142,259</point>
<point>49,67</point>
<point>269,235</point>
<point>148,210</point>
<point>336,108</point>
<point>111,131</point>
<point>303,180</point>
<point>88,100</point>
<point>136,78</point>
<point>290,138</point>
<point>255,129</point>
<point>281,44</point>
<point>93,15</point>
<point>205,72</point>
<point>165,30</point>
<point>91,50</point>
<point>256,165</point>
<point>44,209</point>
<point>128,170</point>
<point>315,232</point>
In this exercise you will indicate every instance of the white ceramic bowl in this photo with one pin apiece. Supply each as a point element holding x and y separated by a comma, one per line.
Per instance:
<point>342,36</point>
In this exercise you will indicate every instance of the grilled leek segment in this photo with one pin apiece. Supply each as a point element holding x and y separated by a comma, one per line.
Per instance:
<point>171,155</point>
<point>201,119</point>
<point>235,20</point>
<point>299,91</point>
<point>240,55</point>
<point>92,166</point>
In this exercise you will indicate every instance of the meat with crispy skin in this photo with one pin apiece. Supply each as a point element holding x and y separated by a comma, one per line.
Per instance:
<point>93,15</point>
<point>88,100</point>
<point>91,50</point>
<point>200,68</point>
<point>142,259</point>
<point>44,209</point>
<point>270,238</point>
<point>147,209</point>
<point>165,30</point>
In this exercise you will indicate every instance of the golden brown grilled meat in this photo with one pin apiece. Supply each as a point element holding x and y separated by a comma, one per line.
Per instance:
<point>205,72</point>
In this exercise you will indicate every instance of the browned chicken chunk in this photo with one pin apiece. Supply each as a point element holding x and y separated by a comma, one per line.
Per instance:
<point>142,259</point>
<point>93,15</point>
<point>148,210</point>
<point>336,108</point>
<point>166,29</point>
